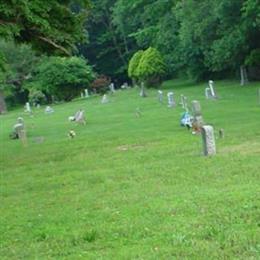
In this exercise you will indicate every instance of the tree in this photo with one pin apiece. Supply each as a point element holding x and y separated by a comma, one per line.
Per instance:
<point>20,60</point>
<point>62,77</point>
<point>133,66</point>
<point>147,66</point>
<point>50,26</point>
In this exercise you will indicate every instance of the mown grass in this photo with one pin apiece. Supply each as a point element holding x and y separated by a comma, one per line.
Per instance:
<point>133,188</point>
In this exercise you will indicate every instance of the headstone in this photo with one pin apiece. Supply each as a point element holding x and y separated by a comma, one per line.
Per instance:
<point>112,88</point>
<point>212,90</point>
<point>208,93</point>
<point>208,139</point>
<point>104,99</point>
<point>171,102</point>
<point>19,130</point>
<point>48,110</point>
<point>197,116</point>
<point>80,117</point>
<point>243,75</point>
<point>38,106</point>
<point>82,95</point>
<point>160,96</point>
<point>185,103</point>
<point>28,108</point>
<point>142,92</point>
<point>86,93</point>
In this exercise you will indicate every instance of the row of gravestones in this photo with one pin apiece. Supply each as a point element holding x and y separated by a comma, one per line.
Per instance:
<point>207,131</point>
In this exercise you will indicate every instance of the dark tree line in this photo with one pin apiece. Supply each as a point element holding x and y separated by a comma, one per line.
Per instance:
<point>197,38</point>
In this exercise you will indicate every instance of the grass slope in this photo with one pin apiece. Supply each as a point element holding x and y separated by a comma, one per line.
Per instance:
<point>133,188</point>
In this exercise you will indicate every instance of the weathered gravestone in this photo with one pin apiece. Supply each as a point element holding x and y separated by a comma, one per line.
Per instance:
<point>112,87</point>
<point>28,108</point>
<point>142,92</point>
<point>104,99</point>
<point>86,93</point>
<point>212,93</point>
<point>19,130</point>
<point>171,102</point>
<point>184,102</point>
<point>197,116</point>
<point>82,95</point>
<point>48,110</point>
<point>207,93</point>
<point>208,139</point>
<point>160,96</point>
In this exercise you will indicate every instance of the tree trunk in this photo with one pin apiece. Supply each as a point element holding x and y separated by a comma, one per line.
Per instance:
<point>243,75</point>
<point>2,103</point>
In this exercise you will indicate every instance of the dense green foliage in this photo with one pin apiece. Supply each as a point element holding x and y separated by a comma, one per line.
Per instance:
<point>20,60</point>
<point>197,38</point>
<point>147,66</point>
<point>62,77</point>
<point>133,65</point>
<point>50,26</point>
<point>133,188</point>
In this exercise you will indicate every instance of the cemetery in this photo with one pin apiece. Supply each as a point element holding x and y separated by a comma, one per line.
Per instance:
<point>129,136</point>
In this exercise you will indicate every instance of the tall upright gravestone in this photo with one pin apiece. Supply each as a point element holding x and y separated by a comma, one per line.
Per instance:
<point>171,102</point>
<point>208,140</point>
<point>160,96</point>
<point>197,116</point>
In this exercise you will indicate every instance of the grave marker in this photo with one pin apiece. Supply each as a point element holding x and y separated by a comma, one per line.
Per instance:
<point>171,102</point>
<point>208,139</point>
<point>160,96</point>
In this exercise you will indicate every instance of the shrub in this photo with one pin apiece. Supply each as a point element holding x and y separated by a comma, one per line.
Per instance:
<point>62,77</point>
<point>100,84</point>
<point>147,66</point>
<point>37,97</point>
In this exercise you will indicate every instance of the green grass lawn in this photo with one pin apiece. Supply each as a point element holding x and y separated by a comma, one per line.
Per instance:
<point>133,188</point>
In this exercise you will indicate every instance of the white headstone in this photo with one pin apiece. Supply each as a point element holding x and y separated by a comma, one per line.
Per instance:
<point>28,107</point>
<point>86,93</point>
<point>112,88</point>
<point>212,90</point>
<point>104,99</point>
<point>171,102</point>
<point>82,95</point>
<point>48,110</point>
<point>160,96</point>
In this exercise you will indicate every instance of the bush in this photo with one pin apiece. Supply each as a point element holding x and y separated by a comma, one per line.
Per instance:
<point>37,97</point>
<point>147,66</point>
<point>100,84</point>
<point>63,78</point>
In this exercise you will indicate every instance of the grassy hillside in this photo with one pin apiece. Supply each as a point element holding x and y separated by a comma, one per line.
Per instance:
<point>133,188</point>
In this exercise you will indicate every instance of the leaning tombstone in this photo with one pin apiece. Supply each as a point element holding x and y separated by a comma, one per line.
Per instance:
<point>197,116</point>
<point>142,92</point>
<point>104,99</point>
<point>208,139</point>
<point>80,117</point>
<point>171,102</point>
<point>212,90</point>
<point>160,96</point>
<point>86,93</point>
